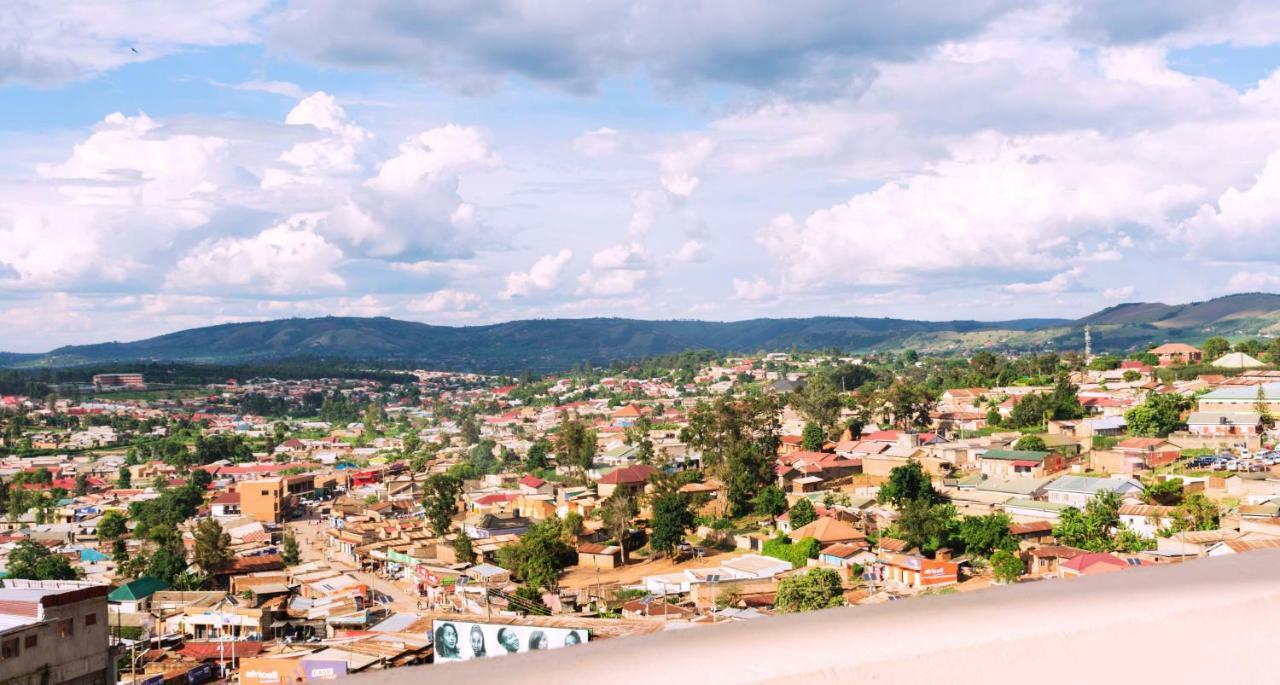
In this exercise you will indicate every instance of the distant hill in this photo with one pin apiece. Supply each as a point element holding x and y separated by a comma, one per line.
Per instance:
<point>533,344</point>
<point>557,344</point>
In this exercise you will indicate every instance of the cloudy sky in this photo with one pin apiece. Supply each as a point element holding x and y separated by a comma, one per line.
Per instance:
<point>169,165</point>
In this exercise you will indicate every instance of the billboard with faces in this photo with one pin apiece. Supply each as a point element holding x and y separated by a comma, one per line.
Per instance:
<point>465,640</point>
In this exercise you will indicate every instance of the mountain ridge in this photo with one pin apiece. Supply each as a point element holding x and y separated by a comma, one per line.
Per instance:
<point>555,344</point>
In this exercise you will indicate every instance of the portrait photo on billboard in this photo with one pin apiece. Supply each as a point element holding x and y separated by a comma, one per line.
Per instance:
<point>466,640</point>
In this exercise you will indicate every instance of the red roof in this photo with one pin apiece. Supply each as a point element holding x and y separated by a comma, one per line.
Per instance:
<point>227,498</point>
<point>1095,563</point>
<point>628,475</point>
<point>532,481</point>
<point>212,651</point>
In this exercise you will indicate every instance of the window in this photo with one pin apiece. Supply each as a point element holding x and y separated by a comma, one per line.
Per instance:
<point>66,627</point>
<point>30,642</point>
<point>91,619</point>
<point>9,648</point>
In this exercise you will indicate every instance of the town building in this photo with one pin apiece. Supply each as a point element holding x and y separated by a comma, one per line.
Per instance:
<point>54,633</point>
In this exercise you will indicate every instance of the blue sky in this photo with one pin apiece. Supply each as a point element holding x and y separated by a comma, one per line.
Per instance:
<point>478,162</point>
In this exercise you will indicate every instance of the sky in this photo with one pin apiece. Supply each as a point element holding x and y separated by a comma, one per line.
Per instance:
<point>172,165</point>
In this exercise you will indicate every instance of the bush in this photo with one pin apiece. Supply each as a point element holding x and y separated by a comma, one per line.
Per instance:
<point>798,553</point>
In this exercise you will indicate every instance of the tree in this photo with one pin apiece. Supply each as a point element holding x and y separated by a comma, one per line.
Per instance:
<point>119,552</point>
<point>213,547</point>
<point>290,553</point>
<point>802,513</point>
<point>167,563</point>
<point>573,526</point>
<point>411,443</point>
<point>909,483</point>
<point>1033,443</point>
<point>1163,492</point>
<point>771,501</point>
<point>819,402</point>
<point>1130,376</point>
<point>1007,566</point>
<point>124,480</point>
<point>909,404</point>
<point>575,445</point>
<point>983,535</point>
<point>200,479</point>
<point>463,549</point>
<point>1092,528</point>
<point>112,526</point>
<point>539,556</point>
<point>82,484</point>
<point>1215,347</point>
<point>536,458</point>
<point>671,517</point>
<point>616,513</point>
<point>928,526</point>
<point>738,438</point>
<point>638,437</point>
<point>813,437</point>
<point>1159,415</point>
<point>819,588</point>
<point>1196,512</point>
<point>31,560</point>
<point>440,501</point>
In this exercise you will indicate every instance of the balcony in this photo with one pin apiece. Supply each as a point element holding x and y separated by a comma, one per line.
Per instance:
<point>1211,620</point>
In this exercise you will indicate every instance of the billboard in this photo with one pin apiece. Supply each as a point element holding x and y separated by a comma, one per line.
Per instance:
<point>262,671</point>
<point>464,640</point>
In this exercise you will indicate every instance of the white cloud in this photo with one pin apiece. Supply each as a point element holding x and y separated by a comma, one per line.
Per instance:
<point>601,142</point>
<point>752,291</point>
<point>1244,223</point>
<point>411,208</point>
<point>1253,281</point>
<point>282,88</point>
<point>689,251</point>
<point>680,166</point>
<point>611,282</point>
<point>289,258</point>
<point>542,276</point>
<point>51,42</point>
<point>1120,293</point>
<point>334,154</point>
<point>1056,284</point>
<point>997,204</point>
<point>445,301</point>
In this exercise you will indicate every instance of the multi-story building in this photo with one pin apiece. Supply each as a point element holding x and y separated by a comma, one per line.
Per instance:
<point>54,633</point>
<point>263,499</point>
<point>119,380</point>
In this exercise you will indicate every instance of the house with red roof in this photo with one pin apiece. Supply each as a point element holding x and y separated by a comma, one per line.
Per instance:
<point>532,485</point>
<point>633,478</point>
<point>1096,564</point>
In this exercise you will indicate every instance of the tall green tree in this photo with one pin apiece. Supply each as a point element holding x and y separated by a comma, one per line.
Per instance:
<point>983,535</point>
<point>813,437</point>
<point>112,525</point>
<point>575,445</point>
<point>440,501</point>
<point>31,560</point>
<point>616,513</point>
<point>1006,566</point>
<point>290,552</point>
<point>909,483</point>
<point>539,556</point>
<point>819,402</point>
<point>672,515</point>
<point>463,550</point>
<point>738,438</point>
<point>212,551</point>
<point>802,513</point>
<point>1159,415</point>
